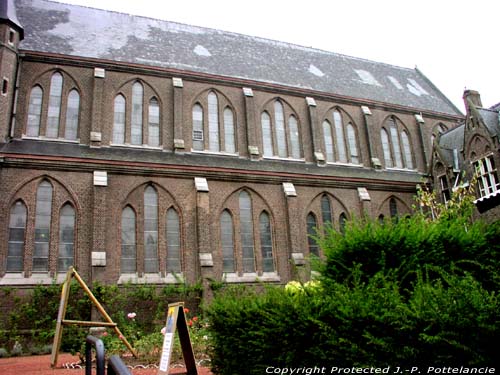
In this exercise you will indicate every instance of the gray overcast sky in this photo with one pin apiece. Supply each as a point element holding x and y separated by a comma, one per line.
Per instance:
<point>454,43</point>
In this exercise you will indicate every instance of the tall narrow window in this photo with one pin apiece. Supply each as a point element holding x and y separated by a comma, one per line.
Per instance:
<point>342,222</point>
<point>154,123</point>
<point>129,250</point>
<point>54,110</point>
<point>407,150</point>
<point>72,112</point>
<point>119,120</point>
<point>294,137</point>
<point>66,238</point>
<point>150,230</point>
<point>326,210</point>
<point>136,125</point>
<point>393,208</point>
<point>339,136</point>
<point>173,242</point>
<point>227,242</point>
<point>445,189</point>
<point>353,148</point>
<point>229,131</point>
<point>267,137</point>
<point>198,128</point>
<point>395,144</point>
<point>34,112</point>
<point>386,147</point>
<point>280,129</point>
<point>213,122</point>
<point>17,235</point>
<point>42,227</point>
<point>311,232</point>
<point>327,134</point>
<point>246,232</point>
<point>266,243</point>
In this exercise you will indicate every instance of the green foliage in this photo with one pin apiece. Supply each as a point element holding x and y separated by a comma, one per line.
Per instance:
<point>32,319</point>
<point>412,291</point>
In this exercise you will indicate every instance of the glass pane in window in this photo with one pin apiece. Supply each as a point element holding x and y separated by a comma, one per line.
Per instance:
<point>154,123</point>
<point>42,226</point>
<point>342,222</point>
<point>173,242</point>
<point>198,128</point>
<point>72,113</point>
<point>213,122</point>
<point>266,243</point>
<point>393,208</point>
<point>66,238</point>
<point>229,136</point>
<point>267,138</point>
<point>150,230</point>
<point>294,137</point>
<point>129,252</point>
<point>136,125</point>
<point>54,109</point>
<point>280,129</point>
<point>353,148</point>
<point>327,134</point>
<point>246,232</point>
<point>387,148</point>
<point>227,242</point>
<point>119,120</point>
<point>311,232</point>
<point>407,150</point>
<point>17,230</point>
<point>395,144</point>
<point>326,210</point>
<point>34,112</point>
<point>339,136</point>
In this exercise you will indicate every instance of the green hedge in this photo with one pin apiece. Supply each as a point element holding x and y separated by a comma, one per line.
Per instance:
<point>411,292</point>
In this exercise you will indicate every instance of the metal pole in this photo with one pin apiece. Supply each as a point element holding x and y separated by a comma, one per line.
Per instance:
<point>116,366</point>
<point>99,355</point>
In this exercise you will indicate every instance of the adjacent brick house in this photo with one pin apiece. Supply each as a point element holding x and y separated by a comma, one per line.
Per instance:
<point>148,151</point>
<point>470,151</point>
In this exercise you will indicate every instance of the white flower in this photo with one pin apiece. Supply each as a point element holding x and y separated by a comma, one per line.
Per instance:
<point>131,315</point>
<point>164,330</point>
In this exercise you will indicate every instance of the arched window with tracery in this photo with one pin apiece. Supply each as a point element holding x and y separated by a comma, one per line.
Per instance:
<point>396,145</point>
<point>280,132</point>
<point>57,106</point>
<point>214,128</point>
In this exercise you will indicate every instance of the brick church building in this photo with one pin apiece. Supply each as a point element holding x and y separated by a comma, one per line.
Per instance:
<point>145,151</point>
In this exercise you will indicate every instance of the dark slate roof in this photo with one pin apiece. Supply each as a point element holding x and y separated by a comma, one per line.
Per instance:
<point>86,32</point>
<point>491,119</point>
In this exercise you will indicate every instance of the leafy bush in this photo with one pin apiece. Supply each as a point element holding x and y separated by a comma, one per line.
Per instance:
<point>416,291</point>
<point>31,319</point>
<point>400,248</point>
<point>447,320</point>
